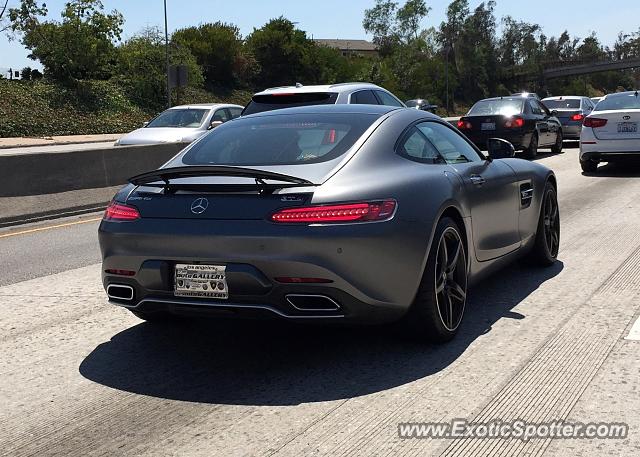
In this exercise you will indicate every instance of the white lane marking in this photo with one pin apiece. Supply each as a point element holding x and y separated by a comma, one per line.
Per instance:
<point>634,333</point>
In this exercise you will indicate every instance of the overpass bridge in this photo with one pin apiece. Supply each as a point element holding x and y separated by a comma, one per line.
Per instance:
<point>575,69</point>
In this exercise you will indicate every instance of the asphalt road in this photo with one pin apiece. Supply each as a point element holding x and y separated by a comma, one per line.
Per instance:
<point>79,377</point>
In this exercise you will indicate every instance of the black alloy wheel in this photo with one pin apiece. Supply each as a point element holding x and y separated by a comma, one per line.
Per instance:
<point>451,279</point>
<point>551,224</point>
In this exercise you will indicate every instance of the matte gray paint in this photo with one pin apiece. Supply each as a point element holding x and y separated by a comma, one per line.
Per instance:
<point>380,263</point>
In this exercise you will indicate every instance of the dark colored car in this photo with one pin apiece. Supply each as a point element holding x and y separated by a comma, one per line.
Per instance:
<point>570,111</point>
<point>344,213</point>
<point>421,103</point>
<point>523,121</point>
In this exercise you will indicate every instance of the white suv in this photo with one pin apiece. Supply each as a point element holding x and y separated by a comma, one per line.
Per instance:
<point>299,95</point>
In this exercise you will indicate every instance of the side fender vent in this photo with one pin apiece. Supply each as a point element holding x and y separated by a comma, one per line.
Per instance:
<point>526,195</point>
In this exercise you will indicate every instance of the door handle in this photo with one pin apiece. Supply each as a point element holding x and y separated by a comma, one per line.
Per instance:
<point>477,180</point>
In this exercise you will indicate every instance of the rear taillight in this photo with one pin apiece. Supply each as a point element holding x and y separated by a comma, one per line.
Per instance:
<point>577,117</point>
<point>464,124</point>
<point>594,122</point>
<point>514,123</point>
<point>119,212</point>
<point>351,212</point>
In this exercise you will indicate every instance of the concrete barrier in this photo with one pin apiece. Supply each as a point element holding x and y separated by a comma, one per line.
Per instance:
<point>56,172</point>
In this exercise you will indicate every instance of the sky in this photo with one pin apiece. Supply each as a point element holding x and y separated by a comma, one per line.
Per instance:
<point>343,18</point>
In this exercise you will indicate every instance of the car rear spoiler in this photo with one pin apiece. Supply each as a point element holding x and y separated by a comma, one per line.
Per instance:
<point>167,174</point>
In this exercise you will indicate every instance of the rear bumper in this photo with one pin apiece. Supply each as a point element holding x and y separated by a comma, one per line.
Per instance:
<point>571,130</point>
<point>519,140</point>
<point>374,268</point>
<point>592,148</point>
<point>610,156</point>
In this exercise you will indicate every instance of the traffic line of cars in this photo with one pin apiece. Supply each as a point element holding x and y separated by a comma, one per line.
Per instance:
<point>327,204</point>
<point>607,130</point>
<point>338,204</point>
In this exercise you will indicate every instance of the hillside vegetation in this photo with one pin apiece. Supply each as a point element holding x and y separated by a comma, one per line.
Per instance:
<point>41,108</point>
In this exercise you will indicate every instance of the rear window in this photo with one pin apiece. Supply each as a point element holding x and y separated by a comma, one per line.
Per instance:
<point>505,107</point>
<point>562,104</point>
<point>261,103</point>
<point>619,101</point>
<point>280,140</point>
<point>179,118</point>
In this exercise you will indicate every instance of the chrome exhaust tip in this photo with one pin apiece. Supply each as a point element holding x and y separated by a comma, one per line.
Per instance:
<point>120,292</point>
<point>304,302</point>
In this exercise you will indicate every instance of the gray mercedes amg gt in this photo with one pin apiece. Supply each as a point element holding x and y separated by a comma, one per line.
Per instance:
<point>335,213</point>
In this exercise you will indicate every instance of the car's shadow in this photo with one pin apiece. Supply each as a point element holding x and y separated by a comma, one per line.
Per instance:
<point>265,363</point>
<point>626,169</point>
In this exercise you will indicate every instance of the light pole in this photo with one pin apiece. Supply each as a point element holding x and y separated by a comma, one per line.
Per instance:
<point>166,46</point>
<point>447,50</point>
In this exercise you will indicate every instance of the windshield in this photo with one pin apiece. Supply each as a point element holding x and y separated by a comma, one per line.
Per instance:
<point>280,140</point>
<point>179,118</point>
<point>562,104</point>
<point>504,107</point>
<point>619,101</point>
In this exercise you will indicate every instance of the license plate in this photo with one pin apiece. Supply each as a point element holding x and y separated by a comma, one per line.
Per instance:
<point>488,126</point>
<point>627,127</point>
<point>208,281</point>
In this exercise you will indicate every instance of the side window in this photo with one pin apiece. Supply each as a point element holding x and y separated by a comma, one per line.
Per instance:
<point>387,99</point>
<point>450,144</point>
<point>545,110</point>
<point>416,146</point>
<point>235,112</point>
<point>220,115</point>
<point>535,108</point>
<point>364,97</point>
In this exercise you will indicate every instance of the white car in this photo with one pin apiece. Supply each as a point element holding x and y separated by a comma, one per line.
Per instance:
<point>342,93</point>
<point>610,133</point>
<point>181,124</point>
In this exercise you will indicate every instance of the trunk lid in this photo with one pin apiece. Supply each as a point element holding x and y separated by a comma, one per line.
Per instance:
<point>489,124</point>
<point>621,124</point>
<point>208,201</point>
<point>564,115</point>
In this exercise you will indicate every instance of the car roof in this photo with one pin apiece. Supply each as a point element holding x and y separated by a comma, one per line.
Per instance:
<point>206,105</point>
<point>328,109</point>
<point>628,92</point>
<point>300,89</point>
<point>564,97</point>
<point>506,97</point>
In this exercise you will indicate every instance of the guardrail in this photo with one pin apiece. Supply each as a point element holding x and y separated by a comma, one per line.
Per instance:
<point>53,172</point>
<point>34,186</point>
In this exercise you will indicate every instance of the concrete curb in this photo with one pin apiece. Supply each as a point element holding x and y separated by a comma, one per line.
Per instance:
<point>10,143</point>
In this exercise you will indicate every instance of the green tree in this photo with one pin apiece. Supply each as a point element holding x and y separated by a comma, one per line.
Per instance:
<point>26,74</point>
<point>218,48</point>
<point>80,46</point>
<point>141,67</point>
<point>283,53</point>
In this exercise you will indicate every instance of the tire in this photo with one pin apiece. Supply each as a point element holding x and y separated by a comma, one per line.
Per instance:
<point>531,152</point>
<point>589,166</point>
<point>438,307</point>
<point>557,147</point>
<point>157,316</point>
<point>547,242</point>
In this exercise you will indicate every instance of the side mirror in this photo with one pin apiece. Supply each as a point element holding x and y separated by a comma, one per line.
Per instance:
<point>144,124</point>
<point>214,124</point>
<point>554,112</point>
<point>500,149</point>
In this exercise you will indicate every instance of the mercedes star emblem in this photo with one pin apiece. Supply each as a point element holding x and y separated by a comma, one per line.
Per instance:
<point>199,205</point>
